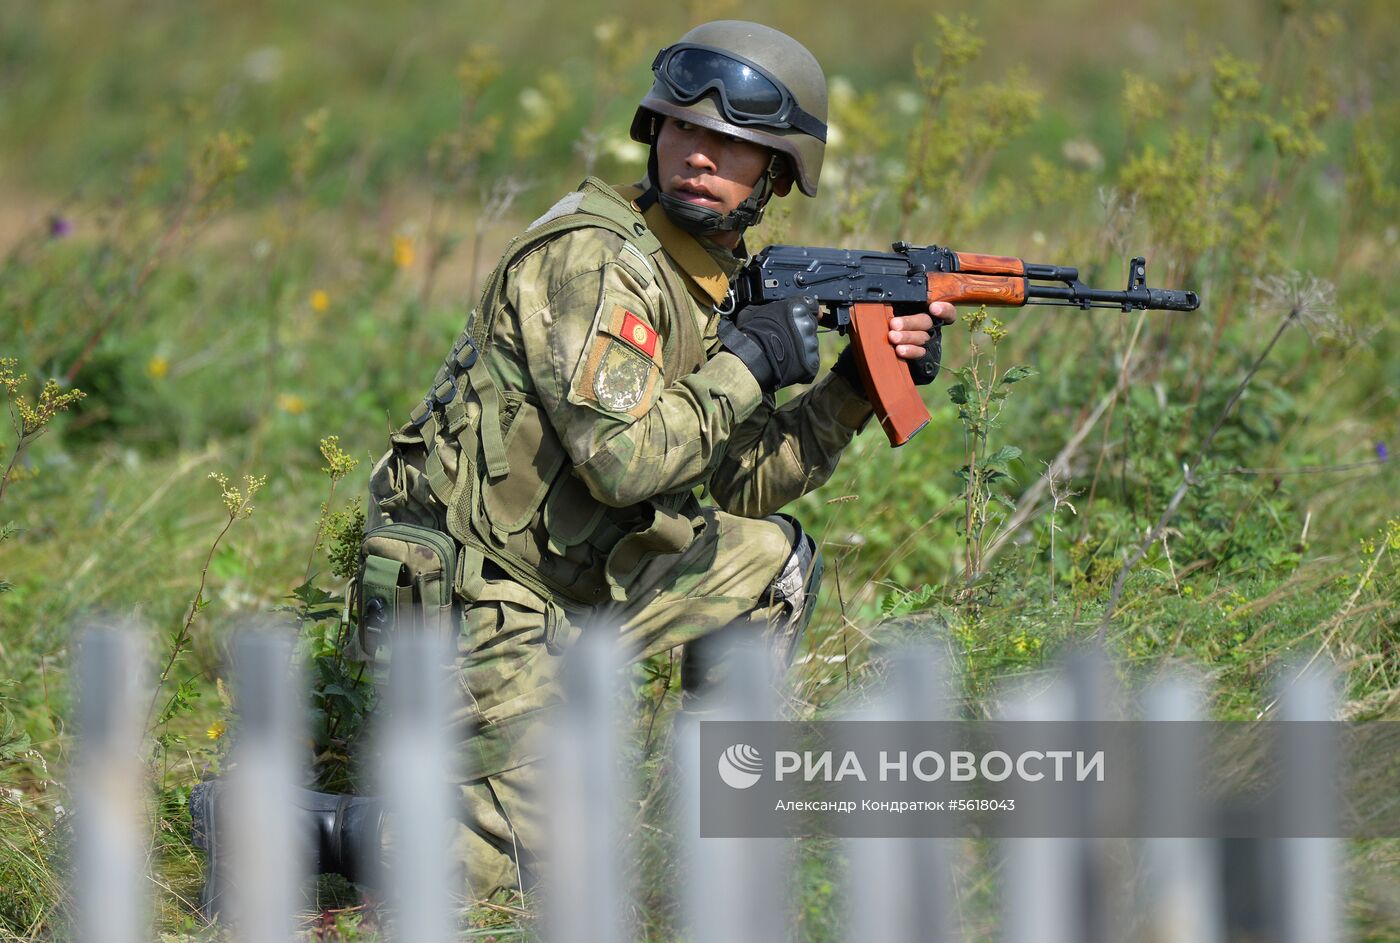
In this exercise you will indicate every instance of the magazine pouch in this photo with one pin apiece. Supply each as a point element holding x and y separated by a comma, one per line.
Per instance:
<point>405,583</point>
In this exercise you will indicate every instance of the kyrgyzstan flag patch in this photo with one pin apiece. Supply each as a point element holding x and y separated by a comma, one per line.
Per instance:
<point>636,332</point>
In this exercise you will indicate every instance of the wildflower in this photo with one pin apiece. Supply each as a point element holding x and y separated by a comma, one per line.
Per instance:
<point>1142,100</point>
<point>627,151</point>
<point>291,404</point>
<point>403,251</point>
<point>1082,153</point>
<point>338,462</point>
<point>35,416</point>
<point>60,226</point>
<point>8,378</point>
<point>606,31</point>
<point>216,730</point>
<point>238,502</point>
<point>534,102</point>
<point>157,368</point>
<point>477,71</point>
<point>264,65</point>
<point>24,471</point>
<point>223,156</point>
<point>1306,299</point>
<point>1382,452</point>
<point>320,301</point>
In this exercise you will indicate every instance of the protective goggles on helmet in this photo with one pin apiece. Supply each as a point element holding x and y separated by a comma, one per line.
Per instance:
<point>748,93</point>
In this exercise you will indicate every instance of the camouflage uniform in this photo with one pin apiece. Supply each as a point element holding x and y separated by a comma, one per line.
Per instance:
<point>616,402</point>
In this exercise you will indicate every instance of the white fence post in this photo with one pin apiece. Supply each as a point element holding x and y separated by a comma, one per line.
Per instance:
<point>1100,892</point>
<point>901,889</point>
<point>1180,876</point>
<point>1310,869</point>
<point>586,893</point>
<point>1039,891</point>
<point>110,789</point>
<point>414,772</point>
<point>267,848</point>
<point>737,888</point>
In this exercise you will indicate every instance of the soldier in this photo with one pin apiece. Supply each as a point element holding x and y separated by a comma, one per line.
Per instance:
<point>602,379</point>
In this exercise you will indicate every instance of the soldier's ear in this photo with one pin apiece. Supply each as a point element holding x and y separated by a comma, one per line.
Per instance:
<point>782,178</point>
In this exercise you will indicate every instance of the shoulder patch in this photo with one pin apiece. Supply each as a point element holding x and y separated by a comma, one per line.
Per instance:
<point>621,371</point>
<point>637,333</point>
<point>623,379</point>
<point>617,377</point>
<point>633,331</point>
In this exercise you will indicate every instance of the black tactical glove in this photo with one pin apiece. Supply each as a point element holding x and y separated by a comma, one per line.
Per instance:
<point>776,341</point>
<point>923,371</point>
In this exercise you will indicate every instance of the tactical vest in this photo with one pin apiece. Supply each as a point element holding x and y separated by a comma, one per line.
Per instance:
<point>485,466</point>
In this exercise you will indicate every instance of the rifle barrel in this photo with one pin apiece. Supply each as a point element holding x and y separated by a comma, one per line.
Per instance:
<point>1157,299</point>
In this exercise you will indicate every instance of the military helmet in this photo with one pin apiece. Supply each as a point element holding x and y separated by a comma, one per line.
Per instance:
<point>748,81</point>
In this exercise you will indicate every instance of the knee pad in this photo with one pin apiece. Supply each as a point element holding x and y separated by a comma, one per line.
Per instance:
<point>797,583</point>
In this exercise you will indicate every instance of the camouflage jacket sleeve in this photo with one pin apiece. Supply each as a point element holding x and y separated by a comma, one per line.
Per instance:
<point>589,341</point>
<point>779,454</point>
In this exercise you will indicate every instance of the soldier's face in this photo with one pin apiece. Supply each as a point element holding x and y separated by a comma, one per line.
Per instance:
<point>708,168</point>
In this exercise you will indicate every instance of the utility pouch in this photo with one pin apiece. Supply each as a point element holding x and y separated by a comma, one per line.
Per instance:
<point>405,583</point>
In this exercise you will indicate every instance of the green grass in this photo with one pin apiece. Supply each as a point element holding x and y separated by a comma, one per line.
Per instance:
<point>192,284</point>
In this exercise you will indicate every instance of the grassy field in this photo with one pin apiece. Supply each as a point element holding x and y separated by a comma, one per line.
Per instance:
<point>239,229</point>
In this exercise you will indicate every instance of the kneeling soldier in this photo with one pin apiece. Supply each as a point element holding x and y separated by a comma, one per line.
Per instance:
<point>602,379</point>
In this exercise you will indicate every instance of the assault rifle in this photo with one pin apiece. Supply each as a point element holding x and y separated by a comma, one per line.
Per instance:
<point>860,291</point>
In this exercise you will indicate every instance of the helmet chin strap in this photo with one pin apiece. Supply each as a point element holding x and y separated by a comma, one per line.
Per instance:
<point>702,220</point>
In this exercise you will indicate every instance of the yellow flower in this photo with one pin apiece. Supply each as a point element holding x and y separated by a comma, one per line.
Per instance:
<point>338,461</point>
<point>216,730</point>
<point>403,251</point>
<point>291,403</point>
<point>157,368</point>
<point>238,502</point>
<point>320,301</point>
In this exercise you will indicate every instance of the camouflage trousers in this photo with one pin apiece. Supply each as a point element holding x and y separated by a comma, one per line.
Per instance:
<point>703,598</point>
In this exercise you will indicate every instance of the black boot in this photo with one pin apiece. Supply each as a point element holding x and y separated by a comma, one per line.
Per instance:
<point>345,831</point>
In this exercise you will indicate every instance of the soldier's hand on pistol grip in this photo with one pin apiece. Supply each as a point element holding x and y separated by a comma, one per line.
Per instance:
<point>925,369</point>
<point>776,341</point>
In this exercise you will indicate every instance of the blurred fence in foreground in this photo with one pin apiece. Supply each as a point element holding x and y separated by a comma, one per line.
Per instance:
<point>729,890</point>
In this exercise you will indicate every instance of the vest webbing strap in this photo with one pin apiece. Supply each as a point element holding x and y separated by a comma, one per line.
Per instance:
<point>601,207</point>
<point>491,441</point>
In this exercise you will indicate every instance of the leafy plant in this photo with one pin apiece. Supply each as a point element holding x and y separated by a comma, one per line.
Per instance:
<point>980,395</point>
<point>237,502</point>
